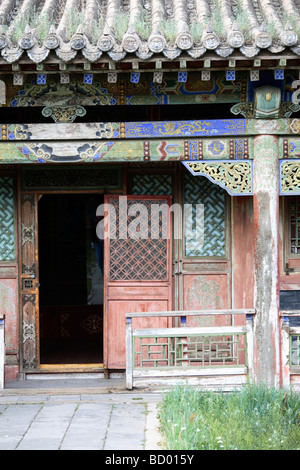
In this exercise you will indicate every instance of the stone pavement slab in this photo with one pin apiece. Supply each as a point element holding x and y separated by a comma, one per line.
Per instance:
<point>72,421</point>
<point>88,427</point>
<point>14,423</point>
<point>47,430</point>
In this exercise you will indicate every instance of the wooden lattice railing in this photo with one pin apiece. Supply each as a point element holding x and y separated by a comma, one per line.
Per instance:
<point>290,348</point>
<point>189,352</point>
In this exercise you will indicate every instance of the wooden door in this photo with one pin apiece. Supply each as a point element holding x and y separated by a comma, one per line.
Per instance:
<point>29,279</point>
<point>137,268</point>
<point>202,266</point>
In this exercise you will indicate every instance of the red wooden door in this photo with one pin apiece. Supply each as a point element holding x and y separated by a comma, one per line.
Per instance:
<point>137,266</point>
<point>202,264</point>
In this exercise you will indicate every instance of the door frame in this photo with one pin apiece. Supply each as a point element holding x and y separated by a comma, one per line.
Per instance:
<point>29,297</point>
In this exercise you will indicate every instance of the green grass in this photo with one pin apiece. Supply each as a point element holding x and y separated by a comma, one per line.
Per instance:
<point>255,418</point>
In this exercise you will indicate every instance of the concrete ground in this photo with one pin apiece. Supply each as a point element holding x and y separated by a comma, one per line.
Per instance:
<point>78,414</point>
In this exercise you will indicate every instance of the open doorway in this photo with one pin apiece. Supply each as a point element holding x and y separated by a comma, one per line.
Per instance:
<point>71,280</point>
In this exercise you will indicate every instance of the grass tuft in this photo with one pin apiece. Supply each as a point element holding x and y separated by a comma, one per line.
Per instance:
<point>255,418</point>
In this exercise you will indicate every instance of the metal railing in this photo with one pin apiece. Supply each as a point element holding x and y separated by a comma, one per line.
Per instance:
<point>186,351</point>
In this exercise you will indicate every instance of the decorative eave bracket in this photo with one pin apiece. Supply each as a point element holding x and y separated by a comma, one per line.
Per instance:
<point>233,176</point>
<point>289,177</point>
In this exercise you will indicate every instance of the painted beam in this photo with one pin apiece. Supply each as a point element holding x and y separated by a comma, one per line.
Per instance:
<point>130,150</point>
<point>149,130</point>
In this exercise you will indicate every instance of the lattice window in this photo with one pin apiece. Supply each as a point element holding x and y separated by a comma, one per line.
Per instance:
<point>295,350</point>
<point>152,184</point>
<point>199,190</point>
<point>133,258</point>
<point>7,236</point>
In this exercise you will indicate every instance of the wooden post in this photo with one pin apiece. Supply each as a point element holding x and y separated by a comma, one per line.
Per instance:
<point>250,346</point>
<point>129,353</point>
<point>266,268</point>
<point>285,351</point>
<point>185,361</point>
<point>2,352</point>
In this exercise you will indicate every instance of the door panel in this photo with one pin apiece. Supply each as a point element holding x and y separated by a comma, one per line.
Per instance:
<point>116,327</point>
<point>202,266</point>
<point>206,292</point>
<point>137,269</point>
<point>29,281</point>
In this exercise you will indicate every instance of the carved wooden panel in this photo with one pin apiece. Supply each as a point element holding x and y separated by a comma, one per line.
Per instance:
<point>138,258</point>
<point>30,360</point>
<point>29,292</point>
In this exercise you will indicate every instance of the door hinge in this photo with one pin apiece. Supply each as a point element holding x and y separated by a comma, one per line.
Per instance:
<point>288,270</point>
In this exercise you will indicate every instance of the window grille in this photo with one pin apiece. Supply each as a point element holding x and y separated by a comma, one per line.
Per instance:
<point>199,190</point>
<point>7,236</point>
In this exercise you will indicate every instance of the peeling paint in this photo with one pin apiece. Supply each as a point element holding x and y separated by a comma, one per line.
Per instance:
<point>266,270</point>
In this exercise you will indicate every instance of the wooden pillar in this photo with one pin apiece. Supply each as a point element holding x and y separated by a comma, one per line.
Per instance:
<point>266,269</point>
<point>2,351</point>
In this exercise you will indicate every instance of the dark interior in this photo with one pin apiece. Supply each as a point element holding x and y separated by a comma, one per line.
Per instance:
<point>71,280</point>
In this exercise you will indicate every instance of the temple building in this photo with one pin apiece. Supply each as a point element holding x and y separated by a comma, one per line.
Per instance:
<point>150,190</point>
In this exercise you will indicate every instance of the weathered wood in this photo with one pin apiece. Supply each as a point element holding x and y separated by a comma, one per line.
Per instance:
<point>2,351</point>
<point>182,332</point>
<point>29,280</point>
<point>295,330</point>
<point>266,249</point>
<point>250,346</point>
<point>289,313</point>
<point>137,293</point>
<point>129,355</point>
<point>182,313</point>
<point>137,376</point>
<point>189,371</point>
<point>219,383</point>
<point>285,352</point>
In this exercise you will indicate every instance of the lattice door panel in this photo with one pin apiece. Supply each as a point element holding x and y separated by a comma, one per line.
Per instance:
<point>138,268</point>
<point>151,184</point>
<point>199,190</point>
<point>135,254</point>
<point>7,238</point>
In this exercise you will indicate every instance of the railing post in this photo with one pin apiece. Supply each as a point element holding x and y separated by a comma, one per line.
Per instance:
<point>250,346</point>
<point>129,354</point>
<point>2,351</point>
<point>285,351</point>
<point>185,361</point>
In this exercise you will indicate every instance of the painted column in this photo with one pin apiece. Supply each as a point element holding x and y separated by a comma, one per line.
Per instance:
<point>266,269</point>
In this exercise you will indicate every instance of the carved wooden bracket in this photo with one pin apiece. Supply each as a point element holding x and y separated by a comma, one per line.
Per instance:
<point>233,176</point>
